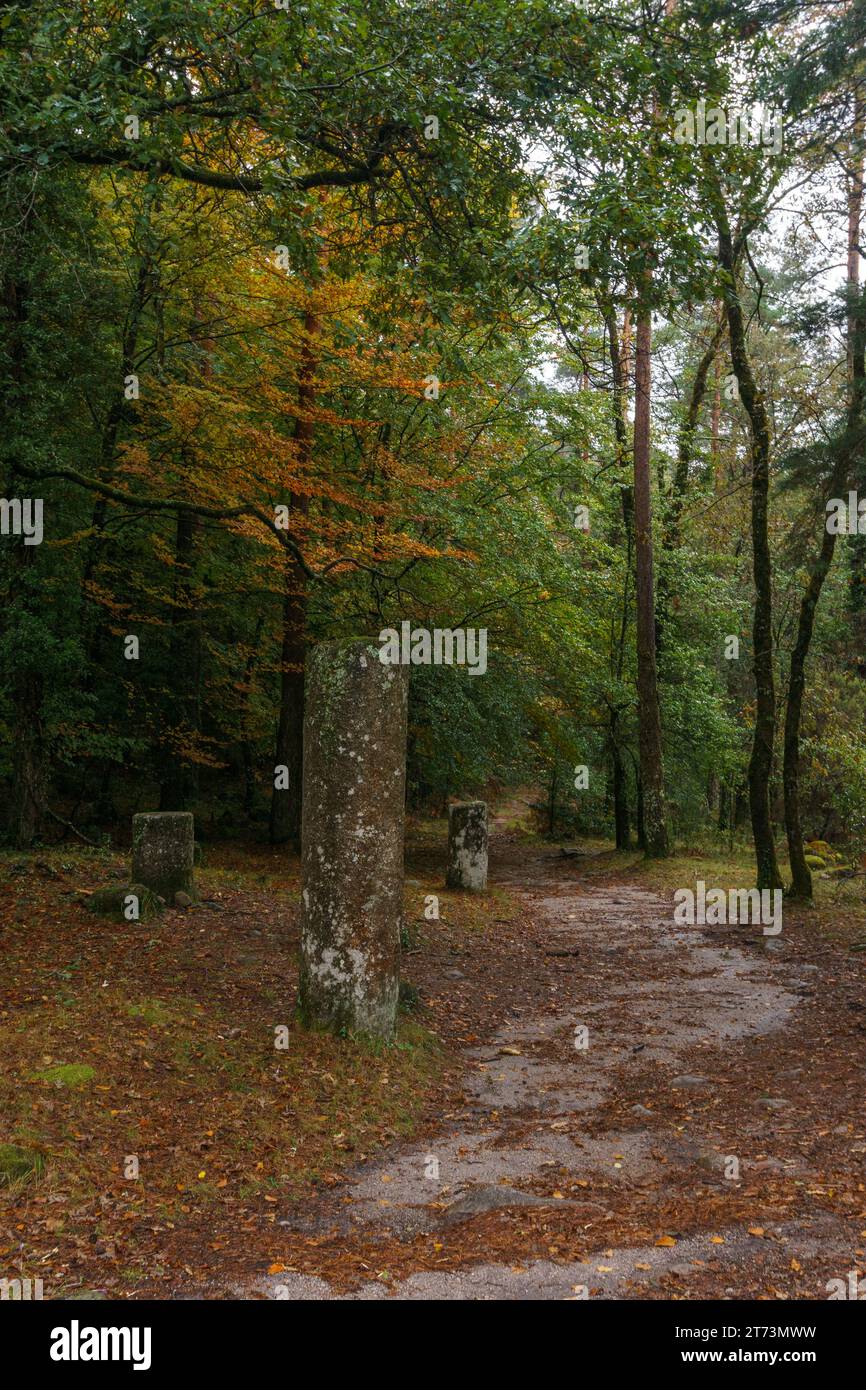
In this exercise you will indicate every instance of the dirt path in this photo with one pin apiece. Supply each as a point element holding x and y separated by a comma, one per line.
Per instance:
<point>694,1141</point>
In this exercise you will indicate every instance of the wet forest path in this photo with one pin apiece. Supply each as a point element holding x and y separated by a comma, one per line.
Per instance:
<point>652,1111</point>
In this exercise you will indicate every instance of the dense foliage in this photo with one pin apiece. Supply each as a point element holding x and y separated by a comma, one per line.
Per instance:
<point>322,318</point>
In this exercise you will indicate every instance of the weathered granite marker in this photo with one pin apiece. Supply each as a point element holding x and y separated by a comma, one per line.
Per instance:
<point>467,846</point>
<point>162,852</point>
<point>352,837</point>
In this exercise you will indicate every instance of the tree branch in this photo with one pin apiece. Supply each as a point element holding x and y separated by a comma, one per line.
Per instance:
<point>162,504</point>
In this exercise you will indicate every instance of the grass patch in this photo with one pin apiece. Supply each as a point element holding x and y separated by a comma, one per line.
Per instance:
<point>18,1165</point>
<point>838,911</point>
<point>69,1074</point>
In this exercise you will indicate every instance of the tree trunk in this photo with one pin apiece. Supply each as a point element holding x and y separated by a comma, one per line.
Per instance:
<point>285,817</point>
<point>724,806</point>
<point>740,805</point>
<point>715,421</point>
<point>801,877</point>
<point>29,746</point>
<point>656,843</point>
<point>92,625</point>
<point>248,762</point>
<point>622,827</point>
<point>761,761</point>
<point>179,786</point>
<point>686,437</point>
<point>641,833</point>
<point>180,781</point>
<point>551,803</point>
<point>619,372</point>
<point>680,487</point>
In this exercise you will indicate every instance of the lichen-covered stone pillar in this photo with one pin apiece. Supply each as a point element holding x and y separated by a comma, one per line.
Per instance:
<point>163,845</point>
<point>352,839</point>
<point>467,846</point>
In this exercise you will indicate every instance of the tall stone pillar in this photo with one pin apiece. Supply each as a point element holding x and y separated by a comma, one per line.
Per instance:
<point>352,839</point>
<point>163,846</point>
<point>467,846</point>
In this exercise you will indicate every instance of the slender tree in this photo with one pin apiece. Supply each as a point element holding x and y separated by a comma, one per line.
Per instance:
<point>846,450</point>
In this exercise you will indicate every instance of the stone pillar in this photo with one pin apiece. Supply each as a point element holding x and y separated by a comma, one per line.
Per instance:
<point>163,844</point>
<point>352,839</point>
<point>467,846</point>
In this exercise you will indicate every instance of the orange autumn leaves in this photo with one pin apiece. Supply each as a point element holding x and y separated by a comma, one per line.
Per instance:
<point>269,412</point>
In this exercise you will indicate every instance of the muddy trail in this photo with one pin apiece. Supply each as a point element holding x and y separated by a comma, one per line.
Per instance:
<point>646,1111</point>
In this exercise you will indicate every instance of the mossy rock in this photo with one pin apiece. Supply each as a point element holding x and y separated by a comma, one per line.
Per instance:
<point>17,1164</point>
<point>819,847</point>
<point>815,861</point>
<point>69,1074</point>
<point>113,902</point>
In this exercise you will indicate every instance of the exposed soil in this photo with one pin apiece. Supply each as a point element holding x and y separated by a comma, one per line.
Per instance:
<point>708,1141</point>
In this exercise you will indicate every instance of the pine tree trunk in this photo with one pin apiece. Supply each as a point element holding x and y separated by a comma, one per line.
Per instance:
<point>656,843</point>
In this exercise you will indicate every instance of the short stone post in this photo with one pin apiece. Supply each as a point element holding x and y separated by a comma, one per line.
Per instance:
<point>467,846</point>
<point>163,845</point>
<point>352,839</point>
